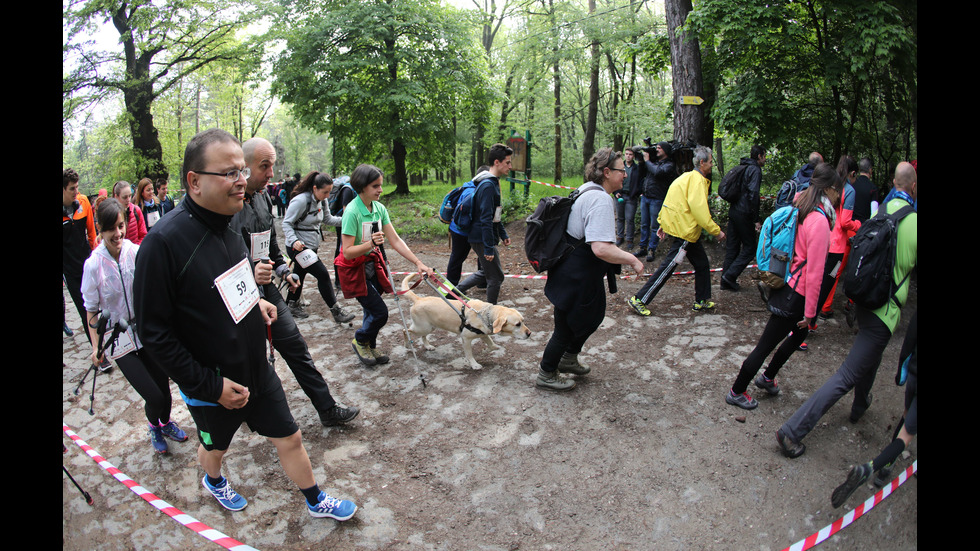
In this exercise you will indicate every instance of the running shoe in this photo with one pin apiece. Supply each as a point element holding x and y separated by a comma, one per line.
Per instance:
<point>228,498</point>
<point>638,306</point>
<point>339,509</point>
<point>173,431</point>
<point>703,305</point>
<point>742,400</point>
<point>858,476</point>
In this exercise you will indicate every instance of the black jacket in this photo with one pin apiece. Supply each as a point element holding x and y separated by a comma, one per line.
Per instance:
<point>180,317</point>
<point>748,202</point>
<point>256,217</point>
<point>659,176</point>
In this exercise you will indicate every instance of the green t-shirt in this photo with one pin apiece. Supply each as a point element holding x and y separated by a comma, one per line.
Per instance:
<point>357,215</point>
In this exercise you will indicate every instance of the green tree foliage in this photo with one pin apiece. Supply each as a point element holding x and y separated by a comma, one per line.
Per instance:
<point>159,45</point>
<point>836,76</point>
<point>383,77</point>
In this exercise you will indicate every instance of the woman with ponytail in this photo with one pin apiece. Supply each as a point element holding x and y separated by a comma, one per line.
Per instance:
<point>795,305</point>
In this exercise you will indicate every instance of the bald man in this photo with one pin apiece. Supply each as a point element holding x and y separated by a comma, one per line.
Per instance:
<point>255,223</point>
<point>875,330</point>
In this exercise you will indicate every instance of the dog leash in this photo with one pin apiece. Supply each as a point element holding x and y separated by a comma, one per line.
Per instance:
<point>484,314</point>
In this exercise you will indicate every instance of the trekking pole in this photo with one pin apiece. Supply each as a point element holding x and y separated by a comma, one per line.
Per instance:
<point>100,329</point>
<point>88,498</point>
<point>387,270</point>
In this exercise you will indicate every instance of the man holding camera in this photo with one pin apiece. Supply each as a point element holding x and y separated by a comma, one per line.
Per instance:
<point>255,223</point>
<point>660,172</point>
<point>200,317</point>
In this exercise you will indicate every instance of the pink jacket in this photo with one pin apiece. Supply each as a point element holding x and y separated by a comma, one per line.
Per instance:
<point>135,225</point>
<point>812,245</point>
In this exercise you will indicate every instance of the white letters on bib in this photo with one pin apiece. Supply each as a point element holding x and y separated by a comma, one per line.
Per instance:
<point>238,290</point>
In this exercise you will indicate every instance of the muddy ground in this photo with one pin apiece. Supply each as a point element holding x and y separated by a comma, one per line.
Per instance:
<point>643,454</point>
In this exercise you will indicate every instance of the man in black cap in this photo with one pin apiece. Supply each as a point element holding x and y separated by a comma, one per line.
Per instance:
<point>660,173</point>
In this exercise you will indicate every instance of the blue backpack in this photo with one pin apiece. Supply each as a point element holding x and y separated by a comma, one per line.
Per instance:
<point>452,200</point>
<point>774,253</point>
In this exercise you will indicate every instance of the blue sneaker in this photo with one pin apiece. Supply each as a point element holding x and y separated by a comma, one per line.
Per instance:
<point>156,438</point>
<point>339,509</point>
<point>172,431</point>
<point>227,497</point>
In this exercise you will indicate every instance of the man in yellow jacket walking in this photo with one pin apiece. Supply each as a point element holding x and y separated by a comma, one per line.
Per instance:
<point>684,214</point>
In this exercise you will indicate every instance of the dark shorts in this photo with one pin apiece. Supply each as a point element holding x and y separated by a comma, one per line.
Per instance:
<point>267,415</point>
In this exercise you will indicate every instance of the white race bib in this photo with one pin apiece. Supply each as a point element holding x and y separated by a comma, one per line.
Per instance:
<point>367,231</point>
<point>260,245</point>
<point>306,257</point>
<point>124,345</point>
<point>152,218</point>
<point>238,290</point>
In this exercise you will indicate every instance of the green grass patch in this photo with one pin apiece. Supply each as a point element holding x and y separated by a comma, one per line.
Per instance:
<point>417,214</point>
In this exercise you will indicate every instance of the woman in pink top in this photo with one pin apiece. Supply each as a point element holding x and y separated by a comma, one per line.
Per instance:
<point>135,225</point>
<point>794,306</point>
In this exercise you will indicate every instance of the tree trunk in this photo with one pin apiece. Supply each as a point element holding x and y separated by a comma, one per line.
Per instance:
<point>685,61</point>
<point>588,144</point>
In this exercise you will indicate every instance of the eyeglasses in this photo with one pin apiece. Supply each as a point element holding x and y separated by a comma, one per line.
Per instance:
<point>231,175</point>
<point>623,170</point>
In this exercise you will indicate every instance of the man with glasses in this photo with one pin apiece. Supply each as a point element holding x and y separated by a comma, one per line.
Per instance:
<point>683,215</point>
<point>200,317</point>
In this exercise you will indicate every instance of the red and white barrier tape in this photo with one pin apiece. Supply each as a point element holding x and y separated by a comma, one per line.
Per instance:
<point>837,525</point>
<point>174,513</point>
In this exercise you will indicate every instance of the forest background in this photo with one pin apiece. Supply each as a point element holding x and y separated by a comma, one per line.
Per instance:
<point>421,88</point>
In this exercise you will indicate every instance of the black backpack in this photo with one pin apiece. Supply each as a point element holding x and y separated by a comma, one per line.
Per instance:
<point>730,188</point>
<point>787,192</point>
<point>545,244</point>
<point>868,279</point>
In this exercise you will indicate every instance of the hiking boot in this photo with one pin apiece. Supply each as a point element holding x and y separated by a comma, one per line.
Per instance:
<point>338,415</point>
<point>629,246</point>
<point>569,364</point>
<point>884,476</point>
<point>640,253</point>
<point>619,241</point>
<point>790,449</point>
<point>553,380</point>
<point>858,412</point>
<point>742,400</point>
<point>173,431</point>
<point>339,315</point>
<point>764,291</point>
<point>156,438</point>
<point>767,384</point>
<point>858,476</point>
<point>703,305</point>
<point>727,285</point>
<point>826,314</point>
<point>227,497</point>
<point>338,509</point>
<point>651,256</point>
<point>638,306</point>
<point>364,354</point>
<point>68,331</point>
<point>379,358</point>
<point>297,310</point>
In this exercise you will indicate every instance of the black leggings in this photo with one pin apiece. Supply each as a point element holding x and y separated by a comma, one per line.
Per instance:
<point>322,275</point>
<point>775,331</point>
<point>151,383</point>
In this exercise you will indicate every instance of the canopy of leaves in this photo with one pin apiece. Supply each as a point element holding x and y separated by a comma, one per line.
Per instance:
<point>370,72</point>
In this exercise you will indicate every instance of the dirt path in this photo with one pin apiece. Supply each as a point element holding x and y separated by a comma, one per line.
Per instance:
<point>642,454</point>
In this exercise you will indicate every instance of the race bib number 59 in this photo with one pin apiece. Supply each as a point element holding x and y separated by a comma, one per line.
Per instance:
<point>238,290</point>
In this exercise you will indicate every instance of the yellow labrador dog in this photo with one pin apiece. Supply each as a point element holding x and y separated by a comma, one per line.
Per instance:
<point>482,320</point>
